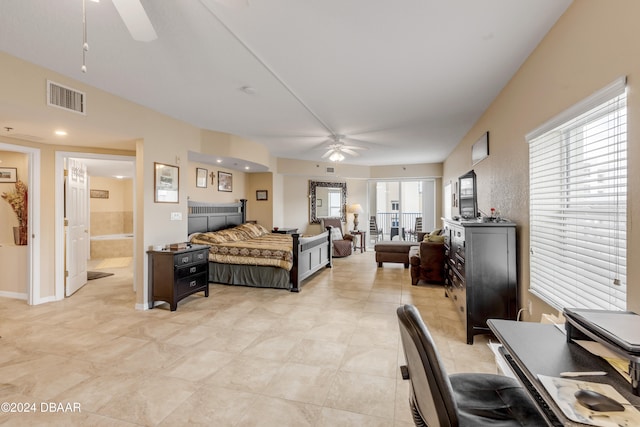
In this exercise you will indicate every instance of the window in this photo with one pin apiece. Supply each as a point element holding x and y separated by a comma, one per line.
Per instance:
<point>335,203</point>
<point>578,204</point>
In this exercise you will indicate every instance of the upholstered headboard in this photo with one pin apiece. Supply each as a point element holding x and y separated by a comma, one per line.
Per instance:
<point>205,217</point>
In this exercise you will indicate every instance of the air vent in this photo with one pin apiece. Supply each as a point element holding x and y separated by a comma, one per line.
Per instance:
<point>331,170</point>
<point>66,98</point>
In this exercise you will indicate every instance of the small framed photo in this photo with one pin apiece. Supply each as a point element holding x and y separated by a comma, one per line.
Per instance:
<point>8,175</point>
<point>166,183</point>
<point>225,181</point>
<point>99,194</point>
<point>201,177</point>
<point>319,203</point>
<point>262,195</point>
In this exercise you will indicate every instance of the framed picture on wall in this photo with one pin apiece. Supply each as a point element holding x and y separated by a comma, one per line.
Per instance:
<point>480,149</point>
<point>166,183</point>
<point>8,175</point>
<point>201,177</point>
<point>262,195</point>
<point>225,181</point>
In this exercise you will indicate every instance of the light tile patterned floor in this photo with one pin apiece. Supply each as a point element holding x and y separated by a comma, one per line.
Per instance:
<point>327,356</point>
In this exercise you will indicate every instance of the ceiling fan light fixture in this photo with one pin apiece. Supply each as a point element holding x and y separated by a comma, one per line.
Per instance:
<point>336,156</point>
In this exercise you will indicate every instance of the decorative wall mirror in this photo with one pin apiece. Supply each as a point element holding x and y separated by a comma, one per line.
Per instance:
<point>467,196</point>
<point>327,200</point>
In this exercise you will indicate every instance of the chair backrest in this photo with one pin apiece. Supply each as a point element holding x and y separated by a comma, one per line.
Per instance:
<point>431,392</point>
<point>373,226</point>
<point>336,223</point>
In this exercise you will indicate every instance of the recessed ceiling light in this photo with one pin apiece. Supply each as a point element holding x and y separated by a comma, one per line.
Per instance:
<point>219,160</point>
<point>247,168</point>
<point>61,133</point>
<point>118,176</point>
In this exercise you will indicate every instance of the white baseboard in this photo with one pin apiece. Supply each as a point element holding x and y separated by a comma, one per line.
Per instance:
<point>14,295</point>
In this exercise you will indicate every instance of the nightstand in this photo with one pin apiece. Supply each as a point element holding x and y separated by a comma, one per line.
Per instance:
<point>176,274</point>
<point>285,230</point>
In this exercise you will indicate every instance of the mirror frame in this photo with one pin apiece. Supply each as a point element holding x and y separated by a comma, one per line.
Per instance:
<point>313,185</point>
<point>474,196</point>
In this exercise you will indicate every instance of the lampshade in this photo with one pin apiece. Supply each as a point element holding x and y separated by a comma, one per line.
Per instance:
<point>355,208</point>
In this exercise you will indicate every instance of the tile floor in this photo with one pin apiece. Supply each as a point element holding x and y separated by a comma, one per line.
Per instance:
<point>327,356</point>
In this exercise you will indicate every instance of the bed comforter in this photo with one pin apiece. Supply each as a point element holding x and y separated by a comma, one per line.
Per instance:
<point>248,244</point>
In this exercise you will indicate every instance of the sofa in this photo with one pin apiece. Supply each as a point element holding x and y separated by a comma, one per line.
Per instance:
<point>342,243</point>
<point>427,260</point>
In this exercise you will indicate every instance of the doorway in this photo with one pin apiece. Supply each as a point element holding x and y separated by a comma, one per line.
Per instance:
<point>103,169</point>
<point>33,247</point>
<point>403,207</point>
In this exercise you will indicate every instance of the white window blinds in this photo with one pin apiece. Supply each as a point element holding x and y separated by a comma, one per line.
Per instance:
<point>578,204</point>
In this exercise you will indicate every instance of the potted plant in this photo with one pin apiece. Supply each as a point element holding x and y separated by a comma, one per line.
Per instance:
<point>19,203</point>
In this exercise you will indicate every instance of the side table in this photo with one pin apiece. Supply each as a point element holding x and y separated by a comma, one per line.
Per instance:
<point>362,238</point>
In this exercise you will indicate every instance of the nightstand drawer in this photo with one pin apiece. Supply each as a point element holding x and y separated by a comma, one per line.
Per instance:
<point>188,284</point>
<point>190,270</point>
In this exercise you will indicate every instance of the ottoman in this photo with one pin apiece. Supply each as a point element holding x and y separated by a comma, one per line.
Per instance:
<point>395,251</point>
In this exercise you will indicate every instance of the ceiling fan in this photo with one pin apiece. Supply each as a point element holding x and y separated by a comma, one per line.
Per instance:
<point>337,150</point>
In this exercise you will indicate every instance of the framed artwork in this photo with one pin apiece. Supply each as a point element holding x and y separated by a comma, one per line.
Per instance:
<point>225,181</point>
<point>166,183</point>
<point>201,177</point>
<point>99,194</point>
<point>8,175</point>
<point>262,195</point>
<point>480,149</point>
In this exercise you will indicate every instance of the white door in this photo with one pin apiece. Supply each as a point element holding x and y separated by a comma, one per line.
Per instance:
<point>76,184</point>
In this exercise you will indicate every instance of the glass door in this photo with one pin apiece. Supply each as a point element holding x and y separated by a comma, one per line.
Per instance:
<point>402,208</point>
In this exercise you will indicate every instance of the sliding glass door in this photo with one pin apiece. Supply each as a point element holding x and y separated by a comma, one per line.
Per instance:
<point>402,208</point>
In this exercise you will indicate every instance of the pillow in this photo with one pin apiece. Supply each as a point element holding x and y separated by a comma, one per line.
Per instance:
<point>436,239</point>
<point>436,232</point>
<point>336,234</point>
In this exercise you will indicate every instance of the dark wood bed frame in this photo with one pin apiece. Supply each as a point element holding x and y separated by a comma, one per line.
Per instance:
<point>310,254</point>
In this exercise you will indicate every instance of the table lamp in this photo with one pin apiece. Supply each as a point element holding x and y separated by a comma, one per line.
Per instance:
<point>355,209</point>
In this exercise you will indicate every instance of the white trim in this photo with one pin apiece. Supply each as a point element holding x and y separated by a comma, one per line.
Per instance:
<point>14,295</point>
<point>33,270</point>
<point>613,89</point>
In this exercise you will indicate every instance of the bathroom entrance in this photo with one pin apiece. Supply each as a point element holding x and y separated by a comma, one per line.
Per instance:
<point>109,246</point>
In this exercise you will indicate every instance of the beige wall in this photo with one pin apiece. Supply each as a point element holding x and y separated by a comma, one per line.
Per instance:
<point>260,210</point>
<point>113,215</point>
<point>591,45</point>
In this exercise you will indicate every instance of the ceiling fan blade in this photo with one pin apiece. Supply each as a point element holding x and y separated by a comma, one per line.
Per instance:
<point>354,147</point>
<point>136,20</point>
<point>348,151</point>
<point>327,154</point>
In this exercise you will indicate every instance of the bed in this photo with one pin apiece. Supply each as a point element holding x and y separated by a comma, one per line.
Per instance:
<point>307,255</point>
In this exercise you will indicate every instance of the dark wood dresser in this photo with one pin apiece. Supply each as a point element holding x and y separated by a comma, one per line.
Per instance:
<point>480,272</point>
<point>176,274</point>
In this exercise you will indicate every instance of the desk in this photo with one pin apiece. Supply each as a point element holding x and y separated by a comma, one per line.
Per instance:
<point>362,237</point>
<point>534,348</point>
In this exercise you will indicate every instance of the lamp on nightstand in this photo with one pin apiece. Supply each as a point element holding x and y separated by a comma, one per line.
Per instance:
<point>355,209</point>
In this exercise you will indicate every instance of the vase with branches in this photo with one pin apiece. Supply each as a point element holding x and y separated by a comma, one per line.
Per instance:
<point>18,200</point>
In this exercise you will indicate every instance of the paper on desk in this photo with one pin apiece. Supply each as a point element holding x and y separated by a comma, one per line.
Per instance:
<point>619,364</point>
<point>563,392</point>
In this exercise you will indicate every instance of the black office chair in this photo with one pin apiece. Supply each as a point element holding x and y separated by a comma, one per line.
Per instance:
<point>441,400</point>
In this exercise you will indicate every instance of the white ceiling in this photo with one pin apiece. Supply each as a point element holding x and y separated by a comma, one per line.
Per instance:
<point>405,79</point>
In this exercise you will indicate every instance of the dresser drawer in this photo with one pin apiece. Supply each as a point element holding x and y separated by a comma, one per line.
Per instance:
<point>183,258</point>
<point>190,270</point>
<point>188,284</point>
